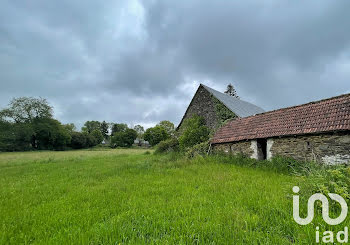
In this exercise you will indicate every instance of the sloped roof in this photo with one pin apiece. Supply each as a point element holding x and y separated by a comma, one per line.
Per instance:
<point>331,114</point>
<point>240,107</point>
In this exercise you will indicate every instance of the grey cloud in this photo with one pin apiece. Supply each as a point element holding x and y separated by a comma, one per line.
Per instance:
<point>136,62</point>
<point>252,43</point>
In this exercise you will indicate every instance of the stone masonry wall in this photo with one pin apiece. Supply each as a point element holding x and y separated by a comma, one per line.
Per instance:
<point>330,148</point>
<point>203,105</point>
<point>243,147</point>
<point>326,148</point>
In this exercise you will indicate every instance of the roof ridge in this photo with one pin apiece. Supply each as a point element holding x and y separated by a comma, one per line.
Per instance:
<point>205,86</point>
<point>257,109</point>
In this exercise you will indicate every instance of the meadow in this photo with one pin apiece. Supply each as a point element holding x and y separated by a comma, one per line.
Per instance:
<point>131,196</point>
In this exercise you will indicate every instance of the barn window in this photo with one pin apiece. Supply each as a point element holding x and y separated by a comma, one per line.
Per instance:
<point>308,145</point>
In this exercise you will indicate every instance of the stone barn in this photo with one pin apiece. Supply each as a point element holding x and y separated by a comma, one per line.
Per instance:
<point>216,107</point>
<point>317,131</point>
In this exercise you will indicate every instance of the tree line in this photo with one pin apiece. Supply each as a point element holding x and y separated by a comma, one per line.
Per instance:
<point>28,124</point>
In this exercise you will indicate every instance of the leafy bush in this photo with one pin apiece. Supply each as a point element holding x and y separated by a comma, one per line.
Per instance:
<point>331,179</point>
<point>200,149</point>
<point>223,113</point>
<point>169,145</point>
<point>155,135</point>
<point>194,132</point>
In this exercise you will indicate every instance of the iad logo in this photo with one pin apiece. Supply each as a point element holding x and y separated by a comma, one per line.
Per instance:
<point>328,236</point>
<point>325,208</point>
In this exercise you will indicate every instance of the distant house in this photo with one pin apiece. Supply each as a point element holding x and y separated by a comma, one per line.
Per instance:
<point>317,131</point>
<point>216,107</point>
<point>141,143</point>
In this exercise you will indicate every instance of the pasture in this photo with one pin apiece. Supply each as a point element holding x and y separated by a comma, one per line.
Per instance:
<point>130,196</point>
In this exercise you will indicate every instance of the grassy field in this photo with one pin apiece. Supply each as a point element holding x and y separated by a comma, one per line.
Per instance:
<point>131,197</point>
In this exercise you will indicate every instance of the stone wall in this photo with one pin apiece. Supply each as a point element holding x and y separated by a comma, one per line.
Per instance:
<point>332,148</point>
<point>244,147</point>
<point>203,105</point>
<point>221,148</point>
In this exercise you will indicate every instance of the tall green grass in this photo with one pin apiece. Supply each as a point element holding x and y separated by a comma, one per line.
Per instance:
<point>133,197</point>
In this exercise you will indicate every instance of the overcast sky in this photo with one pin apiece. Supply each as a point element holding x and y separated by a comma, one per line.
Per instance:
<point>140,62</point>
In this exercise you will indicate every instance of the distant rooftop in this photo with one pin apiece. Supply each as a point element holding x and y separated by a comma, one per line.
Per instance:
<point>240,107</point>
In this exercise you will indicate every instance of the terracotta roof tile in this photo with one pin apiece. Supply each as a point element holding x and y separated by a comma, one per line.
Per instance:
<point>326,115</point>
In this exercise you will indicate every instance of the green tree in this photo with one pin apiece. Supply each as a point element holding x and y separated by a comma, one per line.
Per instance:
<point>194,132</point>
<point>124,139</point>
<point>5,136</point>
<point>140,131</point>
<point>90,126</point>
<point>156,134</point>
<point>119,127</point>
<point>27,123</point>
<point>168,126</point>
<point>104,129</point>
<point>97,136</point>
<point>50,134</point>
<point>26,109</point>
<point>78,140</point>
<point>70,127</point>
<point>90,140</point>
<point>15,136</point>
<point>230,90</point>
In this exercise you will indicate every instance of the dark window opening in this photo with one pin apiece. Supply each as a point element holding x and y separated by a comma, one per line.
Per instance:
<point>262,145</point>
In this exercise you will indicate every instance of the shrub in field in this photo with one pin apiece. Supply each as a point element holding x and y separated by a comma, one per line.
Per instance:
<point>155,135</point>
<point>194,132</point>
<point>169,145</point>
<point>334,179</point>
<point>200,149</point>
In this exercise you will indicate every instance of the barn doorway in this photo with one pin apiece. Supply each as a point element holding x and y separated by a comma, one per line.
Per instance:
<point>262,146</point>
